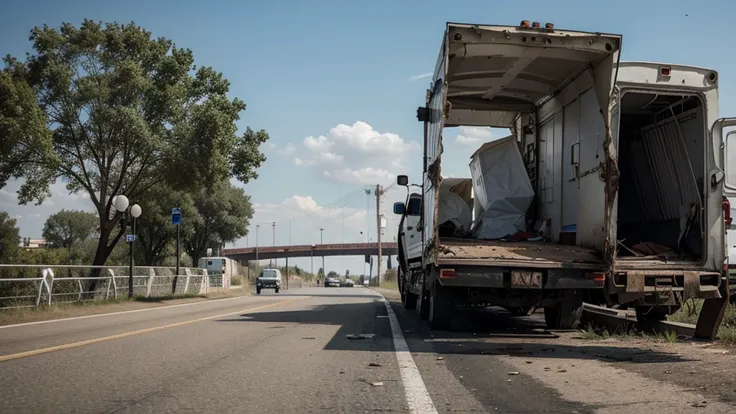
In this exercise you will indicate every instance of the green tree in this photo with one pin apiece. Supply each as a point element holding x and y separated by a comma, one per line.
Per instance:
<point>321,273</point>
<point>110,110</point>
<point>9,238</point>
<point>222,216</point>
<point>156,234</point>
<point>69,227</point>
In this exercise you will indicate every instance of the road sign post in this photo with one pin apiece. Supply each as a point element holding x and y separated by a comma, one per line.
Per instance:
<point>176,220</point>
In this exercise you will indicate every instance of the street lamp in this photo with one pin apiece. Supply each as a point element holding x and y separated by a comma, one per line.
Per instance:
<point>121,203</point>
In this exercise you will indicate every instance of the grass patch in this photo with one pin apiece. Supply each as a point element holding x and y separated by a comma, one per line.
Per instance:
<point>73,309</point>
<point>687,314</point>
<point>691,310</point>
<point>390,285</point>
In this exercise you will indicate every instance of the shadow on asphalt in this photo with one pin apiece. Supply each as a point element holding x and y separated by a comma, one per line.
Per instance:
<point>476,332</point>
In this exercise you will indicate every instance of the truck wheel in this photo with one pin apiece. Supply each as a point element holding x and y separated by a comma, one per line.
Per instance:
<point>423,305</point>
<point>276,290</point>
<point>441,308</point>
<point>565,314</point>
<point>408,299</point>
<point>258,291</point>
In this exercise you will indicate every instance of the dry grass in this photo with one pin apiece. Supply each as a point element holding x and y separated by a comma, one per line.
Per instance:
<point>70,310</point>
<point>690,312</point>
<point>390,285</point>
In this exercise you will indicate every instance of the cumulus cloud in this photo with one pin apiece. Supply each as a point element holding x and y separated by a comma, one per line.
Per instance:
<point>420,76</point>
<point>357,154</point>
<point>473,136</point>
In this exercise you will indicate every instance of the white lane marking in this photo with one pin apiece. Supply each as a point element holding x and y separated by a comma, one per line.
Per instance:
<point>417,396</point>
<point>97,315</point>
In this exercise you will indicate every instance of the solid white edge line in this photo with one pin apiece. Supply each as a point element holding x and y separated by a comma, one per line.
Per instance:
<point>417,396</point>
<point>97,315</point>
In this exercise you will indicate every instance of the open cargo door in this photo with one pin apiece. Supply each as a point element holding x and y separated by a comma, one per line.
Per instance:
<point>493,73</point>
<point>724,134</point>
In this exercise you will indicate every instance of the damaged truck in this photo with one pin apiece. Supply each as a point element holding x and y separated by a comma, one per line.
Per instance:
<point>609,190</point>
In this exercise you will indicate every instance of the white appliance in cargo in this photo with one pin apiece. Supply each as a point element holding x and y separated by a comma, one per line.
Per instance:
<point>502,188</point>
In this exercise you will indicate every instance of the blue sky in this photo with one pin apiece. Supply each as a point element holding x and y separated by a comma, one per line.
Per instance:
<point>305,67</point>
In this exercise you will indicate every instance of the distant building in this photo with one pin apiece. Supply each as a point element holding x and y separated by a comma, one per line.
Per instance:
<point>30,243</point>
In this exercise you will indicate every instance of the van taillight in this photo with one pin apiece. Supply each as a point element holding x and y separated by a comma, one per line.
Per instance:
<point>727,211</point>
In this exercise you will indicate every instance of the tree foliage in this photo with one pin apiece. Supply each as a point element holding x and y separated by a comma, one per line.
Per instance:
<point>223,212</point>
<point>156,234</point>
<point>69,227</point>
<point>110,110</point>
<point>9,238</point>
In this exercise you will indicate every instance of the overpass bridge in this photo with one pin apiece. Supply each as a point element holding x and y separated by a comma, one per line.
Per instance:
<point>244,255</point>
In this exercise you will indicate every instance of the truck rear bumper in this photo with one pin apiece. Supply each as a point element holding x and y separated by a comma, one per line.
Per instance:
<point>516,278</point>
<point>691,284</point>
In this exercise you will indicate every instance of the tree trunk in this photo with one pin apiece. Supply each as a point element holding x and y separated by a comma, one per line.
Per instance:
<point>101,255</point>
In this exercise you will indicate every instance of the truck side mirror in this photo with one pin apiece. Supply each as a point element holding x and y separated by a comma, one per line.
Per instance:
<point>402,180</point>
<point>399,208</point>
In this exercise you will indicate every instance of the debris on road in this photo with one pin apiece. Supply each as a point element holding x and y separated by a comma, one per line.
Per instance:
<point>308,337</point>
<point>440,358</point>
<point>374,364</point>
<point>514,373</point>
<point>360,336</point>
<point>701,404</point>
<point>377,384</point>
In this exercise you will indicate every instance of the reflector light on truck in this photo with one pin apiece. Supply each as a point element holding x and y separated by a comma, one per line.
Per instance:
<point>447,274</point>
<point>727,211</point>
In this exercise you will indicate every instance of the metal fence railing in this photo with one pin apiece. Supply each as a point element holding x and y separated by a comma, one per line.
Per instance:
<point>23,286</point>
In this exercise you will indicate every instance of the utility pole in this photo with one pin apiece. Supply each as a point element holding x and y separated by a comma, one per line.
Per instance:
<point>378,234</point>
<point>258,230</point>
<point>273,226</point>
<point>324,271</point>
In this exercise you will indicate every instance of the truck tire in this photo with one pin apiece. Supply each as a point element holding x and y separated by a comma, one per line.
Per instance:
<point>408,299</point>
<point>565,314</point>
<point>441,308</point>
<point>276,290</point>
<point>423,305</point>
<point>258,291</point>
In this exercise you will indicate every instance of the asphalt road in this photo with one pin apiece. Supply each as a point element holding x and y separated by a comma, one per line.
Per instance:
<point>274,353</point>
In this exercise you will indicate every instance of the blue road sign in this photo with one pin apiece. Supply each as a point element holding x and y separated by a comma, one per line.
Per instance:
<point>176,216</point>
<point>129,238</point>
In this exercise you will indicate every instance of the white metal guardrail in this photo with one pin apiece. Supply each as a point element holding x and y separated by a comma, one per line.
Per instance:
<point>23,286</point>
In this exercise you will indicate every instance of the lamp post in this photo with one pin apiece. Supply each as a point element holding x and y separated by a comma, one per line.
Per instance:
<point>258,229</point>
<point>121,203</point>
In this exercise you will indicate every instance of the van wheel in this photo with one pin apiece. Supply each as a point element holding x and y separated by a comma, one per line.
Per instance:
<point>565,314</point>
<point>258,291</point>
<point>441,307</point>
<point>276,290</point>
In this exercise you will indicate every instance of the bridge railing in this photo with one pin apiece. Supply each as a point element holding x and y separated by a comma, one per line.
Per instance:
<point>23,286</point>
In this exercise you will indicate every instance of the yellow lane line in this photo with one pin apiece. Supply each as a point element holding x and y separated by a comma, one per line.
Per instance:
<point>132,333</point>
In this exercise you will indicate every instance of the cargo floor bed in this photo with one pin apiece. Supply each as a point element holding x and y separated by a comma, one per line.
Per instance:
<point>454,251</point>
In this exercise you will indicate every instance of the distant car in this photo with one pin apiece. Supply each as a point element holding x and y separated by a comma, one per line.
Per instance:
<point>268,279</point>
<point>332,282</point>
<point>349,283</point>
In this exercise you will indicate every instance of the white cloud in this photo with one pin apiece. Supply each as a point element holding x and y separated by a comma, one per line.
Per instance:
<point>357,154</point>
<point>466,140</point>
<point>289,149</point>
<point>420,76</point>
<point>474,136</point>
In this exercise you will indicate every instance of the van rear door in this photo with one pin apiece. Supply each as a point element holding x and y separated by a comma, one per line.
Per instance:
<point>724,132</point>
